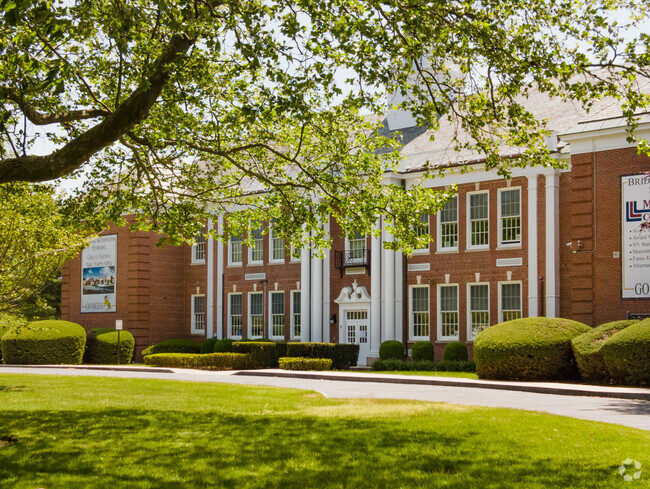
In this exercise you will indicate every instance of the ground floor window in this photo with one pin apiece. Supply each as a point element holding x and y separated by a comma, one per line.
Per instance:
<point>419,314</point>
<point>448,312</point>
<point>255,315</point>
<point>277,314</point>
<point>198,314</point>
<point>478,301</point>
<point>295,314</point>
<point>235,315</point>
<point>509,301</point>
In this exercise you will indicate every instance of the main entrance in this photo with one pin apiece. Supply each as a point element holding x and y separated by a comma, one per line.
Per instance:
<point>356,328</point>
<point>354,325</point>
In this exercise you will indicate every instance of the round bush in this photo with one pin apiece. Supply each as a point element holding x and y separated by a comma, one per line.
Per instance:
<point>391,349</point>
<point>7,322</point>
<point>45,343</point>
<point>627,354</point>
<point>223,346</point>
<point>173,346</point>
<point>422,351</point>
<point>528,349</point>
<point>101,346</point>
<point>587,346</point>
<point>208,345</point>
<point>455,352</point>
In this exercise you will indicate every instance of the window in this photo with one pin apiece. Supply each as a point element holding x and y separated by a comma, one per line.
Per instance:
<point>295,254</point>
<point>448,312</point>
<point>478,229</point>
<point>419,317</point>
<point>255,315</point>
<point>357,248</point>
<point>277,247</point>
<point>277,314</point>
<point>421,229</point>
<point>235,255</point>
<point>478,309</point>
<point>256,252</point>
<point>448,226</point>
<point>198,314</point>
<point>295,314</point>
<point>509,301</point>
<point>510,216</point>
<point>198,249</point>
<point>235,315</point>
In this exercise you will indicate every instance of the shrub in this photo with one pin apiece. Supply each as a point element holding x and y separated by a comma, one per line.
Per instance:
<point>7,322</point>
<point>528,349</point>
<point>423,366</point>
<point>422,351</point>
<point>45,342</point>
<point>101,346</point>
<point>626,354</point>
<point>209,361</point>
<point>587,350</point>
<point>455,352</point>
<point>343,355</point>
<point>207,346</point>
<point>296,363</point>
<point>173,346</point>
<point>223,346</point>
<point>391,349</point>
<point>262,354</point>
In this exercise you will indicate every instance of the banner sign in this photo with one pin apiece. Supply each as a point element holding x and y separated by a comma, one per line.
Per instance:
<point>635,201</point>
<point>98,272</point>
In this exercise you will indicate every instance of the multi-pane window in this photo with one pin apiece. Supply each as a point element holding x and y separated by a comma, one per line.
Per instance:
<point>448,225</point>
<point>277,246</point>
<point>198,249</point>
<point>479,308</point>
<point>510,212</point>
<point>478,220</point>
<point>235,315</point>
<point>256,252</point>
<point>422,229</point>
<point>256,314</point>
<point>510,307</point>
<point>357,247</point>
<point>277,314</point>
<point>419,317</point>
<point>198,314</point>
<point>295,314</point>
<point>235,254</point>
<point>448,311</point>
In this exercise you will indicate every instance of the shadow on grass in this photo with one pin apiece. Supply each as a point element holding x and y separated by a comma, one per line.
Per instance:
<point>171,450</point>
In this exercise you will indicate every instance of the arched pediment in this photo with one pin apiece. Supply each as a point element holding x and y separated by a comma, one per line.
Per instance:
<point>353,295</point>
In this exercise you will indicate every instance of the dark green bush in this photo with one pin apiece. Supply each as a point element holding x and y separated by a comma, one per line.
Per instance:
<point>173,346</point>
<point>391,349</point>
<point>528,349</point>
<point>627,354</point>
<point>223,346</point>
<point>209,361</point>
<point>207,346</point>
<point>422,351</point>
<point>586,349</point>
<point>423,366</point>
<point>262,354</point>
<point>44,342</point>
<point>101,346</point>
<point>7,322</point>
<point>293,363</point>
<point>455,352</point>
<point>343,356</point>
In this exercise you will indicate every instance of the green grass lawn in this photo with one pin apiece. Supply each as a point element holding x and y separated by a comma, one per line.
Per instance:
<point>85,432</point>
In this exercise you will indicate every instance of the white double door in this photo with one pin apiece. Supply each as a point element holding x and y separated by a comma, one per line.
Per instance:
<point>356,330</point>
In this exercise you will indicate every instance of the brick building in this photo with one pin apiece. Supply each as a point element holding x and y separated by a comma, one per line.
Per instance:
<point>547,242</point>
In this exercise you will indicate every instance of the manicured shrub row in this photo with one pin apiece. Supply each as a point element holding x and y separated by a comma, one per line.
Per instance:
<point>343,356</point>
<point>223,346</point>
<point>391,349</point>
<point>7,322</point>
<point>207,346</point>
<point>262,354</point>
<point>455,352</point>
<point>43,343</point>
<point>210,361</point>
<point>627,354</point>
<point>422,351</point>
<point>101,346</point>
<point>173,346</point>
<point>423,366</point>
<point>293,363</point>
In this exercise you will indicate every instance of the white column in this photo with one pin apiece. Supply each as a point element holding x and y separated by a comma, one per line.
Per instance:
<point>388,288</point>
<point>375,293</point>
<point>305,296</point>
<point>209,303</point>
<point>398,292</point>
<point>533,298</point>
<point>220,261</point>
<point>325,307</point>
<point>552,279</point>
<point>316,299</point>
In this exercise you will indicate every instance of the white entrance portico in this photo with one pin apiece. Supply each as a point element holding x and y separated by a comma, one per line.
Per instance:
<point>354,323</point>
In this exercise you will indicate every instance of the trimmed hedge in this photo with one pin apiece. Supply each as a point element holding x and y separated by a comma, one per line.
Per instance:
<point>7,322</point>
<point>294,363</point>
<point>223,346</point>
<point>455,352</point>
<point>209,361</point>
<point>423,366</point>
<point>208,345</point>
<point>627,354</point>
<point>391,349</point>
<point>101,346</point>
<point>173,346</point>
<point>422,351</point>
<point>587,350</point>
<point>343,355</point>
<point>45,343</point>
<point>528,349</point>
<point>262,354</point>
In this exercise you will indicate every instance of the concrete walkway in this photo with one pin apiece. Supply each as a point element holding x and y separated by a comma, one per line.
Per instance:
<point>618,405</point>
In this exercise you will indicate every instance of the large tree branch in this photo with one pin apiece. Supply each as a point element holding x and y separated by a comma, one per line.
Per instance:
<point>127,115</point>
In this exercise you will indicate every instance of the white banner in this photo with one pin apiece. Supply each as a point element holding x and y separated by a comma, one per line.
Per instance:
<point>635,201</point>
<point>98,272</point>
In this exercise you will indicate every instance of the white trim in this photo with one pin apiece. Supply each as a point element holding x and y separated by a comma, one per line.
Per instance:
<point>220,260</point>
<point>284,315</point>
<point>468,220</point>
<point>500,243</point>
<point>410,312</point>
<point>375,291</point>
<point>292,323</point>
<point>209,305</point>
<point>439,313</point>
<point>532,245</point>
<point>305,295</point>
<point>521,303</point>
<point>470,330</point>
<point>439,247</point>
<point>249,309</point>
<point>193,328</point>
<point>552,227</point>
<point>229,321</point>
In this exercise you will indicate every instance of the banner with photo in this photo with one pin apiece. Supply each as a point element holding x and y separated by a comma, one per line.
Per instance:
<point>635,245</point>
<point>98,273</point>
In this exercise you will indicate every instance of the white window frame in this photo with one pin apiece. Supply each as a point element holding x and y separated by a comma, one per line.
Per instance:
<point>440,246</point>
<point>428,231</point>
<point>198,250</point>
<point>412,336</point>
<point>292,320</point>
<point>256,242</point>
<point>439,311</point>
<point>230,335</point>
<point>196,318</point>
<point>230,250</point>
<point>292,258</point>
<point>250,334</point>
<point>470,329</point>
<point>521,298</point>
<point>469,244</point>
<point>514,243</point>
<point>272,240</point>
<point>348,250</point>
<point>272,334</point>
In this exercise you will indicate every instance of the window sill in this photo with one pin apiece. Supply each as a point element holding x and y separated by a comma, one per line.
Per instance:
<point>447,252</point>
<point>515,246</point>
<point>197,262</point>
<point>198,333</point>
<point>421,252</point>
<point>234,265</point>
<point>472,250</point>
<point>255,263</point>
<point>447,339</point>
<point>276,262</point>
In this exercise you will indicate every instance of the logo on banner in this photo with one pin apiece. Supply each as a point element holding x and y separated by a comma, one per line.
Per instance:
<point>635,214</point>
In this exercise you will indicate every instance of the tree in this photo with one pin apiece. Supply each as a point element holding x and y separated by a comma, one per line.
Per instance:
<point>177,110</point>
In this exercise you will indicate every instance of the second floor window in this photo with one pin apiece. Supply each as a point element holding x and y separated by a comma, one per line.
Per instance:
<point>357,247</point>
<point>277,247</point>
<point>448,225</point>
<point>256,252</point>
<point>510,210</point>
<point>478,220</point>
<point>198,249</point>
<point>235,255</point>
<point>422,229</point>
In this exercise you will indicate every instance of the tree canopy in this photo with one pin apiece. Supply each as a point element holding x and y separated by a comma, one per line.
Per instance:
<point>174,110</point>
